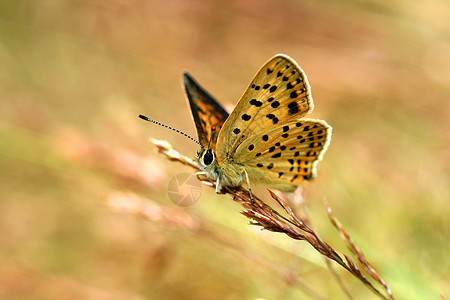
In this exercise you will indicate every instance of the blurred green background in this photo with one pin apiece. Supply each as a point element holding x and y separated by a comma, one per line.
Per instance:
<point>75,74</point>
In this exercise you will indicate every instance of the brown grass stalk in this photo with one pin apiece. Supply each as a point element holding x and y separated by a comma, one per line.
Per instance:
<point>263,215</point>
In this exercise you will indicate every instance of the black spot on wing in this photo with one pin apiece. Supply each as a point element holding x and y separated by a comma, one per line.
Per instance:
<point>246,117</point>
<point>293,108</point>
<point>275,104</point>
<point>256,103</point>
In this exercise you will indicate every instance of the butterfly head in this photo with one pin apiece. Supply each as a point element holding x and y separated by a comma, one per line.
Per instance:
<point>207,161</point>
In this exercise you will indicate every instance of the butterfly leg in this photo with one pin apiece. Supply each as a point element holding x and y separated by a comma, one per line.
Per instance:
<point>244,175</point>
<point>218,185</point>
<point>200,174</point>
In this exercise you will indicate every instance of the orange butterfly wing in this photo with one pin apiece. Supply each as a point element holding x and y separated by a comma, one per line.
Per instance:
<point>207,113</point>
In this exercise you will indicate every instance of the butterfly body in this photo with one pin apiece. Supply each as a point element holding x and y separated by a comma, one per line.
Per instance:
<point>265,140</point>
<point>221,173</point>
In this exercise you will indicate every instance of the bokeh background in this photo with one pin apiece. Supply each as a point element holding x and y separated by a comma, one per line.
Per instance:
<point>76,163</point>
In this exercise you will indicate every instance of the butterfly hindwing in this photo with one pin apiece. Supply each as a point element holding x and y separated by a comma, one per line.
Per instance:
<point>207,113</point>
<point>279,93</point>
<point>285,155</point>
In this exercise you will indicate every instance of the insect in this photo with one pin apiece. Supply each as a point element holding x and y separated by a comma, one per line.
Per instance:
<point>265,140</point>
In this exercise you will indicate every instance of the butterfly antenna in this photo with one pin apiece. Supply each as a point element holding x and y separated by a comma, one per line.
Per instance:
<point>168,127</point>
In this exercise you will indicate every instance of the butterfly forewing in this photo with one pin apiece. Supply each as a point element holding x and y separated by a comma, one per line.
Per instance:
<point>208,115</point>
<point>279,93</point>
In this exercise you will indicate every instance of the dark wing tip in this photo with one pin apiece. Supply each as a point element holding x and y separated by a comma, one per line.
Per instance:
<point>187,78</point>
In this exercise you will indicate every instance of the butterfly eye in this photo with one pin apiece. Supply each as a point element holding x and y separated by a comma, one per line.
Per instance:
<point>208,157</point>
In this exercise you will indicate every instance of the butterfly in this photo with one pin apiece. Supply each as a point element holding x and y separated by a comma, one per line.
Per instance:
<point>265,140</point>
